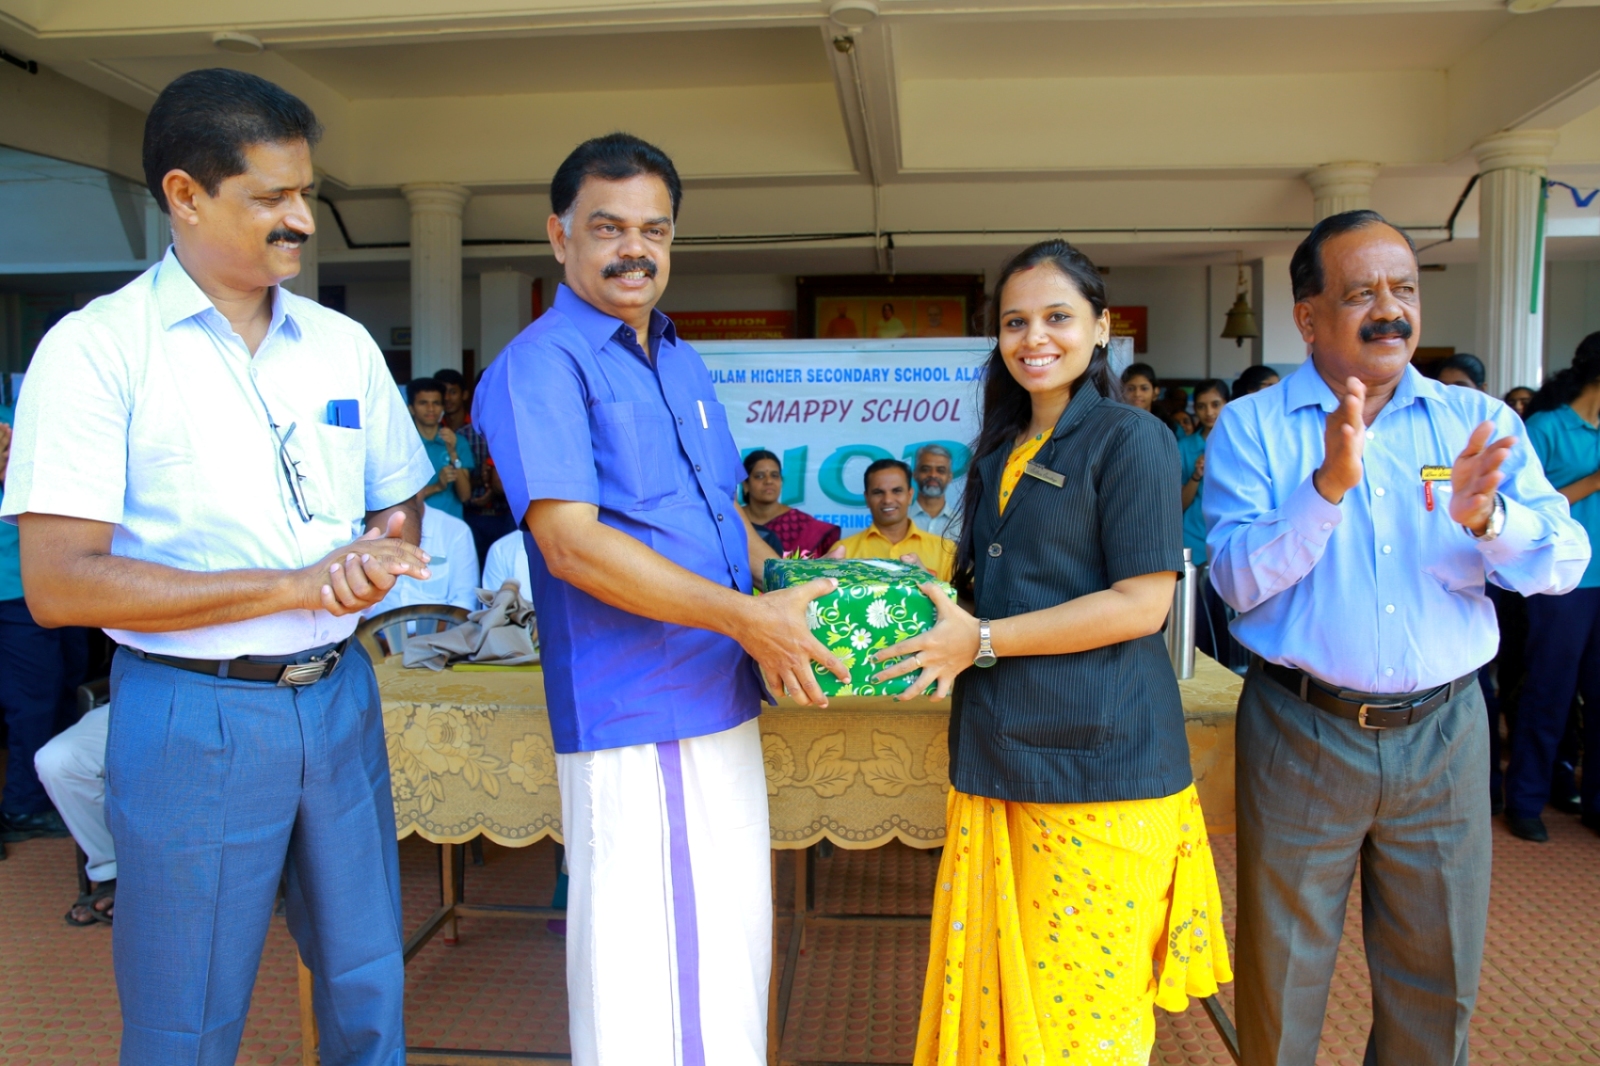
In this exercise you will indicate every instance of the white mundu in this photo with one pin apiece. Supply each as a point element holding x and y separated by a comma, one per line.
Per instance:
<point>661,937</point>
<point>172,442</point>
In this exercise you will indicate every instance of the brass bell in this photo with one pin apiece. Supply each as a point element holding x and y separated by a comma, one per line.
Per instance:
<point>1241,323</point>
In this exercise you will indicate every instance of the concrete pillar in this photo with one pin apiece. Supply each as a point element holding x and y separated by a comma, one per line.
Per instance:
<point>435,276</point>
<point>1339,187</point>
<point>505,301</point>
<point>305,282</point>
<point>1510,333</point>
<point>1280,339</point>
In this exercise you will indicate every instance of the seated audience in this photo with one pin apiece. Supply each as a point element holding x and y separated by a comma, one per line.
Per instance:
<point>452,463</point>
<point>1253,379</point>
<point>508,561</point>
<point>933,508</point>
<point>72,769</point>
<point>892,534</point>
<point>1461,369</point>
<point>795,530</point>
<point>454,566</point>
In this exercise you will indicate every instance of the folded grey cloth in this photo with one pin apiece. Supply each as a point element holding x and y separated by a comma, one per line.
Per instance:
<point>503,632</point>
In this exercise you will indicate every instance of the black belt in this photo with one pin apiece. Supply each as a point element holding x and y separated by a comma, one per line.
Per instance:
<point>1369,710</point>
<point>305,668</point>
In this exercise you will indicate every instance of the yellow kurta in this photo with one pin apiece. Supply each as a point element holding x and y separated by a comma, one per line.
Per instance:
<point>1057,927</point>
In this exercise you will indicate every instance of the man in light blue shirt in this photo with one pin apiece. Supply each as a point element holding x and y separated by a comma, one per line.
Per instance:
<point>1354,514</point>
<point>195,458</point>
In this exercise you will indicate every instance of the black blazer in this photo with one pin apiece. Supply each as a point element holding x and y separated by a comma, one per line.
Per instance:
<point>1090,726</point>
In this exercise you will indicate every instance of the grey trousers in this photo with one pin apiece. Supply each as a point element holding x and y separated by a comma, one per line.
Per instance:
<point>1317,792</point>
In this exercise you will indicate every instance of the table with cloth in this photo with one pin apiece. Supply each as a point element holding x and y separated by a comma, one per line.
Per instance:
<point>470,755</point>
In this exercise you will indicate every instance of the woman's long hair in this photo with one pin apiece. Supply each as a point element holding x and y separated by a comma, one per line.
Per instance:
<point>1564,386</point>
<point>1007,407</point>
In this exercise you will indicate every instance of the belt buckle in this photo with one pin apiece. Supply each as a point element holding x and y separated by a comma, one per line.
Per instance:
<point>298,675</point>
<point>1361,718</point>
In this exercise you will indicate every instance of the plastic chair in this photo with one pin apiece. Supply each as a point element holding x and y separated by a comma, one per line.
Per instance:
<point>385,634</point>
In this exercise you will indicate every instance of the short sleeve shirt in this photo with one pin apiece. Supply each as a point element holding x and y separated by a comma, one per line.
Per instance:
<point>146,411</point>
<point>577,409</point>
<point>1190,448</point>
<point>446,500</point>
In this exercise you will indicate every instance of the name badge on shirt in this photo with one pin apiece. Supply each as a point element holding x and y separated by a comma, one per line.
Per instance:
<point>1045,474</point>
<point>1436,473</point>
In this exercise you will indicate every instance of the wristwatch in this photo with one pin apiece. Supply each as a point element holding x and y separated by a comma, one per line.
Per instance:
<point>986,656</point>
<point>1497,521</point>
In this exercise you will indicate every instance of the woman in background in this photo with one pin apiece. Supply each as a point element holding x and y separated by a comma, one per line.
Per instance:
<point>1563,651</point>
<point>1076,891</point>
<point>1462,369</point>
<point>794,530</point>
<point>1253,379</point>
<point>1211,620</point>
<point>1140,388</point>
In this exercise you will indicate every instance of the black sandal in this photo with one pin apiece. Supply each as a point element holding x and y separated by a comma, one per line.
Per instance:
<point>104,890</point>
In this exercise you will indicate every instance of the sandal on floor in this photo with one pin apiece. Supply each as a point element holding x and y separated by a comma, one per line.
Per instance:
<point>106,890</point>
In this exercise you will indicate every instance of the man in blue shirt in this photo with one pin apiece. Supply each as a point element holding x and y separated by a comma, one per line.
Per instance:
<point>195,457</point>
<point>1354,514</point>
<point>617,458</point>
<point>1563,631</point>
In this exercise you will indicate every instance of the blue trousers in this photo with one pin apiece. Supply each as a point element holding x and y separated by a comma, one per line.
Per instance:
<point>1563,657</point>
<point>40,671</point>
<point>215,790</point>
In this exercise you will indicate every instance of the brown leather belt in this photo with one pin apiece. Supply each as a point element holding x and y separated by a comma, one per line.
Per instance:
<point>1369,710</point>
<point>305,668</point>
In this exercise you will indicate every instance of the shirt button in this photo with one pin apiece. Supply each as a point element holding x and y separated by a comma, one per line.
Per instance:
<point>736,568</point>
<point>1377,492</point>
<point>1390,608</point>
<point>697,468</point>
<point>1389,672</point>
<point>719,518</point>
<point>1387,549</point>
<point>680,421</point>
<point>1371,435</point>
<point>1327,525</point>
<point>994,551</point>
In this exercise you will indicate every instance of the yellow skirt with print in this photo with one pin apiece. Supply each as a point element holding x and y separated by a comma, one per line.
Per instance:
<point>1057,926</point>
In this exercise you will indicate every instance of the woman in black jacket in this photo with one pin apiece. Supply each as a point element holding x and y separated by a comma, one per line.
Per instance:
<point>1076,889</point>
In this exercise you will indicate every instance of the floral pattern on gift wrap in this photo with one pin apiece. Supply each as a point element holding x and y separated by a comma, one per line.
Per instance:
<point>428,742</point>
<point>878,604</point>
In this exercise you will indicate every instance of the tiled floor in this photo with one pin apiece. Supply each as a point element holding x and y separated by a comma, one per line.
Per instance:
<point>855,998</point>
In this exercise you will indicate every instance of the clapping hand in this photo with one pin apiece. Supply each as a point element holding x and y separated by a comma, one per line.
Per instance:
<point>357,576</point>
<point>1343,441</point>
<point>1475,478</point>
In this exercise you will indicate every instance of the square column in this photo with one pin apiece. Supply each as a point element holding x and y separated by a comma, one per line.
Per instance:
<point>1510,332</point>
<point>505,301</point>
<point>435,276</point>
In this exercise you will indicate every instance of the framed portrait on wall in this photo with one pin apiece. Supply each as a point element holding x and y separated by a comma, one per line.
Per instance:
<point>880,307</point>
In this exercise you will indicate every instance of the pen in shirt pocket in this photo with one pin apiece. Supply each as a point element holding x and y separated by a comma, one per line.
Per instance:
<point>1431,474</point>
<point>702,405</point>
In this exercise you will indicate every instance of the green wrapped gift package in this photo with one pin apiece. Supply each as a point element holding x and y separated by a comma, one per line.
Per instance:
<point>876,605</point>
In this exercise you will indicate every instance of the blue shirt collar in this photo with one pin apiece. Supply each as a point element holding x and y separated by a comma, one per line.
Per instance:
<point>1305,388</point>
<point>597,327</point>
<point>178,298</point>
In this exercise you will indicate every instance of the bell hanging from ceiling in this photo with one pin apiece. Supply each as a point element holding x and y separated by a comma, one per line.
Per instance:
<point>1241,323</point>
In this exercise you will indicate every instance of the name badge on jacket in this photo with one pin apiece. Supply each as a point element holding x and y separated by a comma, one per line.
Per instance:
<point>1045,474</point>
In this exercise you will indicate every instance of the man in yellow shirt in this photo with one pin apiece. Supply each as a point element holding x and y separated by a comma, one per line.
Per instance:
<point>892,533</point>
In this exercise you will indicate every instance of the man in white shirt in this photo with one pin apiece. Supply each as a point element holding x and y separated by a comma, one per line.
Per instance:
<point>508,561</point>
<point>934,509</point>
<point>453,559</point>
<point>195,458</point>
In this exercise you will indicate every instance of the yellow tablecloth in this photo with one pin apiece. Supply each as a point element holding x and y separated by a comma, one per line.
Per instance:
<point>470,754</point>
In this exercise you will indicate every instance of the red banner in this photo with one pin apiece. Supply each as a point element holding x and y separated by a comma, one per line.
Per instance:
<point>733,325</point>
<point>1132,322</point>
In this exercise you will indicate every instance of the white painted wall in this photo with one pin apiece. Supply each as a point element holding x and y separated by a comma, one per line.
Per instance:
<point>1176,299</point>
<point>1572,309</point>
<point>729,292</point>
<point>379,305</point>
<point>1450,307</point>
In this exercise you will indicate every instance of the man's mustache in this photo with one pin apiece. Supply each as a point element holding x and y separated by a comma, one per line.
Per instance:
<point>627,266</point>
<point>283,233</point>
<point>1371,331</point>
